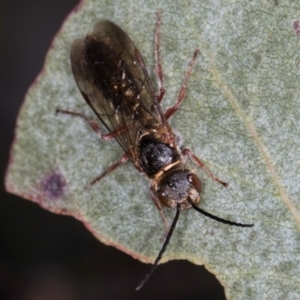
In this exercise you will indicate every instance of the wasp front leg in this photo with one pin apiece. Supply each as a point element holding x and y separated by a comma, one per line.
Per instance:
<point>187,152</point>
<point>160,208</point>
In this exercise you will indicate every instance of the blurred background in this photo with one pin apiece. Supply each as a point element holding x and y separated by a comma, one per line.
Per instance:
<point>46,256</point>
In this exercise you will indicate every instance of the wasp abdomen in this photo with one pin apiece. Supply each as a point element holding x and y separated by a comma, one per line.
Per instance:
<point>111,75</point>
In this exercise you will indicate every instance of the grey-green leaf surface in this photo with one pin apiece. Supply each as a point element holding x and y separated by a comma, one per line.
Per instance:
<point>240,116</point>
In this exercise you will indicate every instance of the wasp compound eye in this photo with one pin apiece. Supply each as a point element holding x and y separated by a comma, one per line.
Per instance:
<point>163,197</point>
<point>195,181</point>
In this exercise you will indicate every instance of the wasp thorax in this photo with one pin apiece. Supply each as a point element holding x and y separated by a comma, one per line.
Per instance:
<point>177,186</point>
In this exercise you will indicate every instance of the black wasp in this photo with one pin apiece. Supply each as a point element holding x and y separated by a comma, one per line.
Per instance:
<point>113,80</point>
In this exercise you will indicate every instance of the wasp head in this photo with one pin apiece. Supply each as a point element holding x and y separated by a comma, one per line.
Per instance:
<point>177,186</point>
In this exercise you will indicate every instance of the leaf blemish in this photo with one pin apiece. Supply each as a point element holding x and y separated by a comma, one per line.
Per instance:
<point>53,186</point>
<point>296,27</point>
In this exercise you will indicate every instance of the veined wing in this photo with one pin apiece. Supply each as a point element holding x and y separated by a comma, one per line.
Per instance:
<point>112,78</point>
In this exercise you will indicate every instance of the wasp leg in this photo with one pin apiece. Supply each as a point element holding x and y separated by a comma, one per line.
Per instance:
<point>182,92</point>
<point>158,66</point>
<point>158,205</point>
<point>113,167</point>
<point>187,152</point>
<point>93,124</point>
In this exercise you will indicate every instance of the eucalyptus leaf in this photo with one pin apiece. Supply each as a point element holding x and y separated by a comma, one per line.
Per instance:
<point>240,116</point>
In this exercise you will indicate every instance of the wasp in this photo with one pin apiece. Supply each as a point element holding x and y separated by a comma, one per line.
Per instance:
<point>113,80</point>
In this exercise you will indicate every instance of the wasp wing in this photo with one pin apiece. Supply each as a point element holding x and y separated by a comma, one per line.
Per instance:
<point>113,80</point>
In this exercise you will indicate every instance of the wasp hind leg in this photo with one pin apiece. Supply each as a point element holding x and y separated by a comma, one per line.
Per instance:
<point>93,124</point>
<point>158,66</point>
<point>159,72</point>
<point>182,92</point>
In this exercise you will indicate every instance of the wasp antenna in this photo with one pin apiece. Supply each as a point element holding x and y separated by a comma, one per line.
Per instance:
<point>217,218</point>
<point>163,248</point>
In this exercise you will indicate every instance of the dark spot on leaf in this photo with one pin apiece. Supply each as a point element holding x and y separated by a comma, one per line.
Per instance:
<point>53,186</point>
<point>296,27</point>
